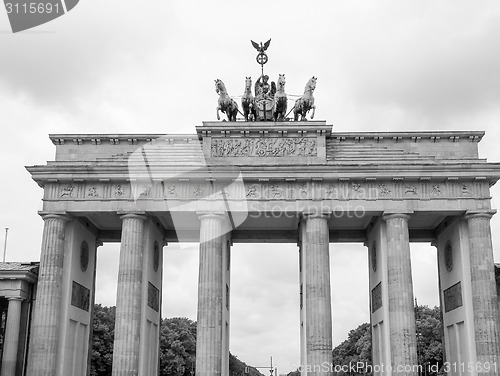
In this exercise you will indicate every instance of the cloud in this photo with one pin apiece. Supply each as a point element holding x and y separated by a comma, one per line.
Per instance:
<point>435,64</point>
<point>81,51</point>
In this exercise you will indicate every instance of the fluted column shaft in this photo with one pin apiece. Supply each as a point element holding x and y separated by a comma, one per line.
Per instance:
<point>210,297</point>
<point>46,320</point>
<point>484,296</point>
<point>11,340</point>
<point>317,295</point>
<point>128,299</point>
<point>400,291</point>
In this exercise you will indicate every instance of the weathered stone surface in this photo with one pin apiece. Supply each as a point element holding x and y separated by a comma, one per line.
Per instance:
<point>153,297</point>
<point>210,297</point>
<point>377,297</point>
<point>128,300</point>
<point>453,297</point>
<point>484,296</point>
<point>80,296</point>
<point>400,291</point>
<point>264,147</point>
<point>46,321</point>
<point>11,339</point>
<point>318,319</point>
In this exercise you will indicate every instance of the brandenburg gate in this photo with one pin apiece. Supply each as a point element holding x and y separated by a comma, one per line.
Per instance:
<point>265,179</point>
<point>276,181</point>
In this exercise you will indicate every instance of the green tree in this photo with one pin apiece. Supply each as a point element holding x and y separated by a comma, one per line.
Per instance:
<point>102,344</point>
<point>177,347</point>
<point>356,348</point>
<point>429,336</point>
<point>237,368</point>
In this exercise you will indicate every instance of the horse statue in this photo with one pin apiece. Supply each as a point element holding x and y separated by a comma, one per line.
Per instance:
<point>306,102</point>
<point>226,104</point>
<point>248,101</point>
<point>280,100</point>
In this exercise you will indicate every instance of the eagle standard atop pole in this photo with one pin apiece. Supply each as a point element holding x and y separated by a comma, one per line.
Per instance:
<point>262,56</point>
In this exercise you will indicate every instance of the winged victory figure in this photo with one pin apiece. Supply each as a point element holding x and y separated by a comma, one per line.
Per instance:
<point>261,47</point>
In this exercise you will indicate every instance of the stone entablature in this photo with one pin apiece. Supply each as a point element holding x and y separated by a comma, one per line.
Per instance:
<point>270,189</point>
<point>17,279</point>
<point>92,147</point>
<point>304,162</point>
<point>255,143</point>
<point>432,146</point>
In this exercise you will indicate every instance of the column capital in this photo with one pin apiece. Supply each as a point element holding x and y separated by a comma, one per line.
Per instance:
<point>388,216</point>
<point>220,219</point>
<point>9,298</point>
<point>475,214</point>
<point>54,215</point>
<point>220,215</point>
<point>309,214</point>
<point>134,215</point>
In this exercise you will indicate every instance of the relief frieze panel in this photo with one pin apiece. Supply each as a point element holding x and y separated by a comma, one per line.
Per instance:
<point>80,296</point>
<point>119,190</point>
<point>67,191</point>
<point>410,190</point>
<point>265,190</point>
<point>265,147</point>
<point>376,297</point>
<point>93,192</point>
<point>453,297</point>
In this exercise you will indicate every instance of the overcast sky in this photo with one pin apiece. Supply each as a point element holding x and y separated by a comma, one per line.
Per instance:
<point>120,66</point>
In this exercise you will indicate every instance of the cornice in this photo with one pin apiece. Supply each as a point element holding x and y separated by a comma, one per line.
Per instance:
<point>78,173</point>
<point>413,136</point>
<point>22,275</point>
<point>114,139</point>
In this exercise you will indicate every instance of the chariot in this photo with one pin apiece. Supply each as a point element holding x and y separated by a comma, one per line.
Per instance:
<point>270,101</point>
<point>264,109</point>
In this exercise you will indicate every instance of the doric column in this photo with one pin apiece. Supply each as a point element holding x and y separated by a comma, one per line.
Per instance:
<point>318,318</point>
<point>11,340</point>
<point>46,320</point>
<point>400,291</point>
<point>210,296</point>
<point>128,299</point>
<point>484,297</point>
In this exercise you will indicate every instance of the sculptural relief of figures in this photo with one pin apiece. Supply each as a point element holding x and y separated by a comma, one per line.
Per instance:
<point>67,191</point>
<point>264,147</point>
